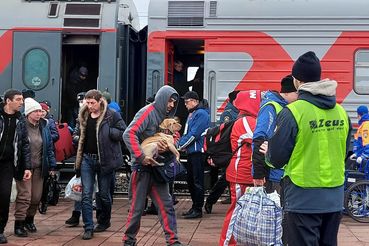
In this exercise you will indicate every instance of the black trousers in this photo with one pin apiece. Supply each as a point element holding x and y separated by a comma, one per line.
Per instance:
<point>6,178</point>
<point>218,188</point>
<point>312,229</point>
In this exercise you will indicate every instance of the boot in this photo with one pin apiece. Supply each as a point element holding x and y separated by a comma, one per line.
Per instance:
<point>19,229</point>
<point>74,220</point>
<point>30,226</point>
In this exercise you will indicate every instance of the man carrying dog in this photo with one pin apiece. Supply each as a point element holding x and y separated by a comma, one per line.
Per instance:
<point>192,141</point>
<point>145,124</point>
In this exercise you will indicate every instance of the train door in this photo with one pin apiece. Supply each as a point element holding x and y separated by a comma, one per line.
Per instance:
<point>36,65</point>
<point>169,61</point>
<point>78,51</point>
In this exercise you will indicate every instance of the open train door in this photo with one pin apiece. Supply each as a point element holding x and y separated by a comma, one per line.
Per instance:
<point>36,65</point>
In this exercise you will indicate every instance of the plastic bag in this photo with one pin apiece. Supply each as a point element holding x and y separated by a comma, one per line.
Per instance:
<point>275,197</point>
<point>73,190</point>
<point>14,192</point>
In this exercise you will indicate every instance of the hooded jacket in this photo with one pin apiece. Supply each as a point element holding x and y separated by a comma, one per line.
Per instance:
<point>239,169</point>
<point>298,199</point>
<point>361,138</point>
<point>146,123</point>
<point>22,155</point>
<point>109,129</point>
<point>194,134</point>
<point>264,129</point>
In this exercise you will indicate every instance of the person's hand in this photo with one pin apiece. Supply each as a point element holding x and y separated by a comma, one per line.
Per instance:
<point>353,157</point>
<point>78,173</point>
<point>259,182</point>
<point>27,175</point>
<point>359,160</point>
<point>51,172</point>
<point>150,161</point>
<point>264,147</point>
<point>162,146</point>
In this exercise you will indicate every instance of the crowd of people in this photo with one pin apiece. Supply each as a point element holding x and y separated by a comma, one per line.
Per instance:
<point>294,141</point>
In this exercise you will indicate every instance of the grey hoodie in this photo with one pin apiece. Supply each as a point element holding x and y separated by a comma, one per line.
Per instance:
<point>146,122</point>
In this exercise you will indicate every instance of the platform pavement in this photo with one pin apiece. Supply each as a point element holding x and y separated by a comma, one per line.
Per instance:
<point>197,232</point>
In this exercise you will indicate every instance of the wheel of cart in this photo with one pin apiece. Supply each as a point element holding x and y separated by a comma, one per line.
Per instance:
<point>356,201</point>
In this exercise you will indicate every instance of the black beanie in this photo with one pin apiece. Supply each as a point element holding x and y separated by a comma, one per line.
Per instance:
<point>307,68</point>
<point>232,95</point>
<point>287,84</point>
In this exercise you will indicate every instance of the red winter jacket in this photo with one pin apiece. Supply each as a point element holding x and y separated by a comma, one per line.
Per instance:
<point>239,169</point>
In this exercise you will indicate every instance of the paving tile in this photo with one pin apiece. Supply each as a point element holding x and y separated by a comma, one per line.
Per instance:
<point>197,232</point>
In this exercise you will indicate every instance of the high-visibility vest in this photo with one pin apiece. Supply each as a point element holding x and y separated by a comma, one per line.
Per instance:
<point>318,159</point>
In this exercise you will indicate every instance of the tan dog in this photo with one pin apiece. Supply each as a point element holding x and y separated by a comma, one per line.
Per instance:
<point>167,131</point>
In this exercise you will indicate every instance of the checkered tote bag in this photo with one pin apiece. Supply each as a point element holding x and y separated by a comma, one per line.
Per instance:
<point>259,219</point>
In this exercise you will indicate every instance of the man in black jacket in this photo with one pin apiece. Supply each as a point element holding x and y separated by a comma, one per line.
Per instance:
<point>99,152</point>
<point>13,127</point>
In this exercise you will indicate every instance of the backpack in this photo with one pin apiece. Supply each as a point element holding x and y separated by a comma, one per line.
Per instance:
<point>50,193</point>
<point>217,144</point>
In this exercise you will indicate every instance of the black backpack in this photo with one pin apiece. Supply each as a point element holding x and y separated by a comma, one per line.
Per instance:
<point>217,144</point>
<point>50,193</point>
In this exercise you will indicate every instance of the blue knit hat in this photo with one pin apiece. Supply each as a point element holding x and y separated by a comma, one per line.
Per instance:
<point>307,68</point>
<point>362,110</point>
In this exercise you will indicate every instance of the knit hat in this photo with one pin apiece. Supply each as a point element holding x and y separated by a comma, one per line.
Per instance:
<point>83,71</point>
<point>31,105</point>
<point>44,106</point>
<point>232,96</point>
<point>107,96</point>
<point>307,68</point>
<point>287,84</point>
<point>362,110</point>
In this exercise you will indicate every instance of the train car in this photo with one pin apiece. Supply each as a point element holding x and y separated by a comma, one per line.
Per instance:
<point>42,42</point>
<point>252,44</point>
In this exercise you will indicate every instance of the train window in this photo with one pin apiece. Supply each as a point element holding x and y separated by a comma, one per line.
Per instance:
<point>53,10</point>
<point>36,64</point>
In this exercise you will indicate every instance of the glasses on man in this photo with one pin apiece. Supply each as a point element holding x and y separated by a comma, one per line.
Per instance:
<point>187,101</point>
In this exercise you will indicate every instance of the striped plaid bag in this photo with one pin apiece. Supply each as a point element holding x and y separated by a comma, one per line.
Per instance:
<point>259,219</point>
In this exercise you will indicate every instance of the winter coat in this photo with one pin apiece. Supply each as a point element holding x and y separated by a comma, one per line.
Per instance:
<point>194,134</point>
<point>361,138</point>
<point>239,169</point>
<point>53,129</point>
<point>109,129</point>
<point>298,199</point>
<point>264,129</point>
<point>22,155</point>
<point>74,86</point>
<point>48,162</point>
<point>146,123</point>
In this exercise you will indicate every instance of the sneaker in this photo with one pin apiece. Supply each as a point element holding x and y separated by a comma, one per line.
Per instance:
<point>89,233</point>
<point>3,239</point>
<point>187,213</point>
<point>208,207</point>
<point>226,201</point>
<point>101,228</point>
<point>193,215</point>
<point>129,243</point>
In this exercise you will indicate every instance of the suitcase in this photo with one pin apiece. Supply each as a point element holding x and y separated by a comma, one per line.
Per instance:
<point>64,147</point>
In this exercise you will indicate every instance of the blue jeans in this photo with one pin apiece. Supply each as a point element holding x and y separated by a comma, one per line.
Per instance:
<point>195,179</point>
<point>77,206</point>
<point>89,168</point>
<point>72,115</point>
